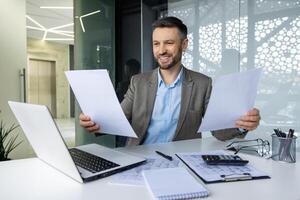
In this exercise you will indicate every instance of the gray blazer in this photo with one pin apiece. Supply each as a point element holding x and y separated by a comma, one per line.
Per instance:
<point>196,88</point>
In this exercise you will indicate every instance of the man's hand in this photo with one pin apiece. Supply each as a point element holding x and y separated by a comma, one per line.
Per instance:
<point>250,121</point>
<point>88,124</point>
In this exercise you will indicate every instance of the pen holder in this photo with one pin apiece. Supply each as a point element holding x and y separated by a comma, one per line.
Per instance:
<point>284,149</point>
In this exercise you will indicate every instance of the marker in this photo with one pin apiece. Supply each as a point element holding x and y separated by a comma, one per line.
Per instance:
<point>164,155</point>
<point>291,133</point>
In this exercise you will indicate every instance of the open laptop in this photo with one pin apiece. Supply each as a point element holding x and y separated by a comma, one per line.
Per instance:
<point>82,163</point>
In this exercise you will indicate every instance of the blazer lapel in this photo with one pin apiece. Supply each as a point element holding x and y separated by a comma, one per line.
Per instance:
<point>186,92</point>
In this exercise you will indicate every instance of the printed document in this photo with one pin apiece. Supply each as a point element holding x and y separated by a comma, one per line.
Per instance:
<point>96,96</point>
<point>232,97</point>
<point>215,173</point>
<point>134,176</point>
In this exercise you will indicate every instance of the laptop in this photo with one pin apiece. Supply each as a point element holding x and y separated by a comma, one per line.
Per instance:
<point>83,163</point>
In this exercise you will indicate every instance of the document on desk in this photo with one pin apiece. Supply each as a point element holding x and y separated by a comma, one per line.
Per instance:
<point>219,173</point>
<point>96,96</point>
<point>134,176</point>
<point>231,97</point>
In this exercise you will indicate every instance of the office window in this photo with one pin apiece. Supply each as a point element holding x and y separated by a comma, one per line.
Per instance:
<point>228,36</point>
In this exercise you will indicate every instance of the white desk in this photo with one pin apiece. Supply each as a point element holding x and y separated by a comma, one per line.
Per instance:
<point>33,179</point>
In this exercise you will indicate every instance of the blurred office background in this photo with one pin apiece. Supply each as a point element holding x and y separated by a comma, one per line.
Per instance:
<point>40,39</point>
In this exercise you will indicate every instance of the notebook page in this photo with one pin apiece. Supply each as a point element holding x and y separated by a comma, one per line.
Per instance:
<point>163,183</point>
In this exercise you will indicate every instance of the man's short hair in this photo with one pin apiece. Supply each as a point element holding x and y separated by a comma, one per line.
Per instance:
<point>171,22</point>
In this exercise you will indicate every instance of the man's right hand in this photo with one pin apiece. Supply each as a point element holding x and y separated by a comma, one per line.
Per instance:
<point>88,124</point>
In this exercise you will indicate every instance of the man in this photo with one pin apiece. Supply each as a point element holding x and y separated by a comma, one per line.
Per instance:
<point>168,103</point>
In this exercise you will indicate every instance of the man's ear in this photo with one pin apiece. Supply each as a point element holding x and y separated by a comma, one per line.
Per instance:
<point>184,44</point>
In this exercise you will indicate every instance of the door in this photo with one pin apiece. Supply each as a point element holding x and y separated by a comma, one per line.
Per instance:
<point>42,84</point>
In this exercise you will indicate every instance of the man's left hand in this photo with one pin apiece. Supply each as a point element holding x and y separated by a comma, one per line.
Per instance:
<point>249,121</point>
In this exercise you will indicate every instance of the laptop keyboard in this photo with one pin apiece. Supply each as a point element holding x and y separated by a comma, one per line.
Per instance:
<point>90,162</point>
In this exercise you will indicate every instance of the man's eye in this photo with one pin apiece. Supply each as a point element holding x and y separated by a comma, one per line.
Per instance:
<point>155,44</point>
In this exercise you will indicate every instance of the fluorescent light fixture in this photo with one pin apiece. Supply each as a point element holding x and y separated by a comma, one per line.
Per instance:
<point>59,39</point>
<point>62,26</point>
<point>57,7</point>
<point>91,13</point>
<point>35,28</point>
<point>65,33</point>
<point>54,30</point>
<point>59,33</point>
<point>88,14</point>
<point>35,22</point>
<point>45,35</point>
<point>81,24</point>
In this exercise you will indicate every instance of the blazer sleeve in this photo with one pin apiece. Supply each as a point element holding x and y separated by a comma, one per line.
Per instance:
<point>127,103</point>
<point>224,134</point>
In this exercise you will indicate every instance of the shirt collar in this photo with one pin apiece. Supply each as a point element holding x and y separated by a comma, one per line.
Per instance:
<point>177,80</point>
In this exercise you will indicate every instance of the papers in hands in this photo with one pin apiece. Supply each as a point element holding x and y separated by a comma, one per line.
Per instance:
<point>232,97</point>
<point>96,96</point>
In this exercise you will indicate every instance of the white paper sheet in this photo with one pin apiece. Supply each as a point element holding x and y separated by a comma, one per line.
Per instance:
<point>232,97</point>
<point>95,94</point>
<point>134,176</point>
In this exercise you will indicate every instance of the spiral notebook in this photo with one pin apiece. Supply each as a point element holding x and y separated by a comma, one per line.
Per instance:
<point>173,183</point>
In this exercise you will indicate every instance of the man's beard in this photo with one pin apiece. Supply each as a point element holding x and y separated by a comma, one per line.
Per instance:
<point>176,59</point>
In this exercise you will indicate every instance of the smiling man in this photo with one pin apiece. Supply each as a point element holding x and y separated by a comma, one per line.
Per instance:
<point>168,103</point>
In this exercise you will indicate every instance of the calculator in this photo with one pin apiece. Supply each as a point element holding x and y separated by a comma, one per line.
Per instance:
<point>224,160</point>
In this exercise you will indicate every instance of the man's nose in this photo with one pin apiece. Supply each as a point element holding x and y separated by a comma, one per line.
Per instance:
<point>162,49</point>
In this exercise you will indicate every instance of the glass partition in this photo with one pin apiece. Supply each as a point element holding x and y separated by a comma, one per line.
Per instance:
<point>227,36</point>
<point>94,49</point>
<point>270,39</point>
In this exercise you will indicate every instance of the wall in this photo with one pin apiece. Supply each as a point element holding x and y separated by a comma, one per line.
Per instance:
<point>51,51</point>
<point>12,60</point>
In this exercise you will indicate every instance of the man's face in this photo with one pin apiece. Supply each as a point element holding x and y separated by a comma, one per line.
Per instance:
<point>168,47</point>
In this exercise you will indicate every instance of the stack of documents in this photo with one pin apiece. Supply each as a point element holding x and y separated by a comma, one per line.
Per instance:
<point>134,176</point>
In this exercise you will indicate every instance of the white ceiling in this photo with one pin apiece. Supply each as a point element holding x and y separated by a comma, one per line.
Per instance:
<point>46,19</point>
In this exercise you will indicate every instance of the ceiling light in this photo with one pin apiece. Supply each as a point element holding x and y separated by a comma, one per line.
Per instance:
<point>45,35</point>
<point>91,13</point>
<point>52,30</point>
<point>59,39</point>
<point>62,26</point>
<point>59,33</point>
<point>35,22</point>
<point>88,14</point>
<point>35,28</point>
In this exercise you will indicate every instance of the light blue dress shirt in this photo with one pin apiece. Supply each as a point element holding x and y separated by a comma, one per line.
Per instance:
<point>165,112</point>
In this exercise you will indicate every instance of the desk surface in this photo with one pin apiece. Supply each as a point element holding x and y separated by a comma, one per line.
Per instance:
<point>33,179</point>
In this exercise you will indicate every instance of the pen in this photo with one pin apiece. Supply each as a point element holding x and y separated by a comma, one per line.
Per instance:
<point>164,155</point>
